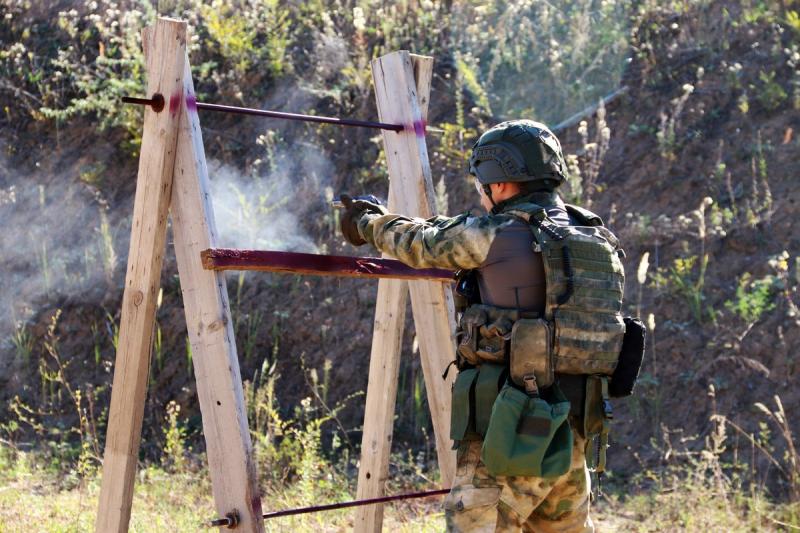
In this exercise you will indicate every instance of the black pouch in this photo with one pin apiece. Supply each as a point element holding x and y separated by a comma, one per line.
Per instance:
<point>630,359</point>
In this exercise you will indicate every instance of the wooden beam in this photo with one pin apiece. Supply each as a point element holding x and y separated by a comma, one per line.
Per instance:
<point>314,264</point>
<point>432,302</point>
<point>205,299</point>
<point>384,366</point>
<point>390,311</point>
<point>165,52</point>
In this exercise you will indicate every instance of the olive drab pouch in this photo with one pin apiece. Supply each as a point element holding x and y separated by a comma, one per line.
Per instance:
<point>483,333</point>
<point>630,359</point>
<point>528,436</point>
<point>468,332</point>
<point>531,352</point>
<point>461,411</point>
<point>487,386</point>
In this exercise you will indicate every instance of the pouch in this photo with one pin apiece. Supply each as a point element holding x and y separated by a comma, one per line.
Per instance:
<point>471,321</point>
<point>528,436</point>
<point>630,359</point>
<point>531,351</point>
<point>487,386</point>
<point>460,412</point>
<point>596,421</point>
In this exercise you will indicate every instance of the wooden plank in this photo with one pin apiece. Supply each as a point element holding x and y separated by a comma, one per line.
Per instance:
<point>432,302</point>
<point>434,313</point>
<point>385,357</point>
<point>384,367</point>
<point>208,318</point>
<point>423,76</point>
<point>315,264</point>
<point>165,51</point>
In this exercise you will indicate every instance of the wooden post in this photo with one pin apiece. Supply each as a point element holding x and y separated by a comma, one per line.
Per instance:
<point>165,52</point>
<point>208,320</point>
<point>402,84</point>
<point>432,302</point>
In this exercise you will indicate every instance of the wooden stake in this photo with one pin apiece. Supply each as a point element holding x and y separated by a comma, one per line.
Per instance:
<point>165,52</point>
<point>432,302</point>
<point>402,84</point>
<point>208,319</point>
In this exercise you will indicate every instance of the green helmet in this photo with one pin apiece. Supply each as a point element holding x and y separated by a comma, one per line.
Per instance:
<point>518,150</point>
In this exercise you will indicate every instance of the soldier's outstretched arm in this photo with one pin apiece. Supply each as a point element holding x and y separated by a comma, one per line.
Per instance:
<point>454,243</point>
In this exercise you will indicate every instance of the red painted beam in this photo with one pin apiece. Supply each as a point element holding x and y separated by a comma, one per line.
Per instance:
<point>314,264</point>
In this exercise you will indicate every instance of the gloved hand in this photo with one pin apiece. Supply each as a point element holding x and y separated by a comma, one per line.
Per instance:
<point>354,209</point>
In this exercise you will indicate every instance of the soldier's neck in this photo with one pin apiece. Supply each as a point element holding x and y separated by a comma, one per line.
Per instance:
<point>543,198</point>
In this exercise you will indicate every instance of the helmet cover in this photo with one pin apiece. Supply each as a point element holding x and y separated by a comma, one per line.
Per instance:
<point>519,151</point>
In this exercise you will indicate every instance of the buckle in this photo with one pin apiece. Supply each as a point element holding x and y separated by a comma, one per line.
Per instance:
<point>531,388</point>
<point>608,412</point>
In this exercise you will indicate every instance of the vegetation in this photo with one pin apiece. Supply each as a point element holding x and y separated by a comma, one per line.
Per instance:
<point>694,167</point>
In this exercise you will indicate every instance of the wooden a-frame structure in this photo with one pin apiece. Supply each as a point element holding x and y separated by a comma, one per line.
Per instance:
<point>173,181</point>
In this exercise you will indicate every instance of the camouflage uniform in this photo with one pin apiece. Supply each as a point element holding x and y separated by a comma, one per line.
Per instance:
<point>480,501</point>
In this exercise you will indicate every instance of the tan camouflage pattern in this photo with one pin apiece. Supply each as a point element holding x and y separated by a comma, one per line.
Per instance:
<point>482,503</point>
<point>588,326</point>
<point>459,242</point>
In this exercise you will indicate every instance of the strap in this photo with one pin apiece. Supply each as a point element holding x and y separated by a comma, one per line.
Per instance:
<point>597,437</point>
<point>531,388</point>
<point>608,415</point>
<point>584,216</point>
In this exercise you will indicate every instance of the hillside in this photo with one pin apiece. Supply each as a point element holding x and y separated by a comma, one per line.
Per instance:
<point>694,166</point>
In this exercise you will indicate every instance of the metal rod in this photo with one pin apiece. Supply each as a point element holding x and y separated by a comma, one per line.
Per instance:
<point>154,102</point>
<point>314,264</point>
<point>231,520</point>
<point>355,503</point>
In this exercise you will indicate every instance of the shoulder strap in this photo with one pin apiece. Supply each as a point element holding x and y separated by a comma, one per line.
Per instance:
<point>546,233</point>
<point>584,216</point>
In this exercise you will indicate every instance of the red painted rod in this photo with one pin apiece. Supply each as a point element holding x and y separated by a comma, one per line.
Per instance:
<point>231,521</point>
<point>314,264</point>
<point>157,103</point>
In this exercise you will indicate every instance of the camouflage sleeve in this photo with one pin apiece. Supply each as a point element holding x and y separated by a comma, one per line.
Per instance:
<point>462,241</point>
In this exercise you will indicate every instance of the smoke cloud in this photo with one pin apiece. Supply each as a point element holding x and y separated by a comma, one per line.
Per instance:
<point>57,241</point>
<point>258,212</point>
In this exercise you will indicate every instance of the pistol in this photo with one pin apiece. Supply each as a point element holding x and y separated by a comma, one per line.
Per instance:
<point>367,197</point>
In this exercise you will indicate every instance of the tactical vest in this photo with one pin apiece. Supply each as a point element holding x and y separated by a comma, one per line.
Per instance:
<point>580,333</point>
<point>585,282</point>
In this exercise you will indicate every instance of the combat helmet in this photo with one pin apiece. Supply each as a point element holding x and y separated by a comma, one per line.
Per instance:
<point>518,150</point>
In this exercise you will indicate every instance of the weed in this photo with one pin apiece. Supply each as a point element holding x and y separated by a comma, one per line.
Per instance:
<point>667,128</point>
<point>107,253</point>
<point>158,348</point>
<point>788,464</point>
<point>252,328</point>
<point>770,94</point>
<point>23,342</point>
<point>583,185</point>
<point>753,297</point>
<point>174,440</point>
<point>758,206</point>
<point>687,275</point>
<point>112,330</point>
<point>784,284</point>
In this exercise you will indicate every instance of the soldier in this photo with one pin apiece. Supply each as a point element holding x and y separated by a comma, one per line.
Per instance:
<point>539,332</point>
